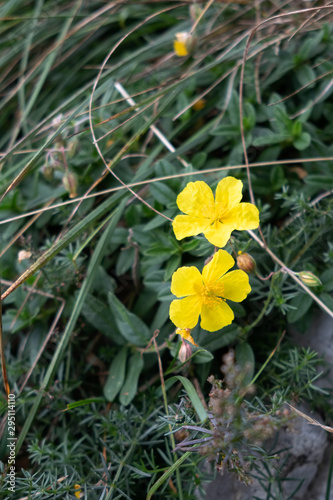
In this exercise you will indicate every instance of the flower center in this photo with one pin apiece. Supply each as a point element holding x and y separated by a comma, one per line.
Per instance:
<point>220,210</point>
<point>212,295</point>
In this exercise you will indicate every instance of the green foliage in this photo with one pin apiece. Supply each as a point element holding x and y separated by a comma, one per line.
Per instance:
<point>93,285</point>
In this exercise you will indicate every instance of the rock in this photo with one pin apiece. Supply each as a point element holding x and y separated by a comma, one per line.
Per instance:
<point>306,447</point>
<point>301,450</point>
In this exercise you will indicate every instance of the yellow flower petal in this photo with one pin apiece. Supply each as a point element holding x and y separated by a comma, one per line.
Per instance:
<point>184,313</point>
<point>197,199</point>
<point>243,216</point>
<point>236,286</point>
<point>187,225</point>
<point>215,318</point>
<point>186,281</point>
<point>217,267</point>
<point>228,193</point>
<point>180,48</point>
<point>218,234</point>
<point>185,333</point>
<point>77,489</point>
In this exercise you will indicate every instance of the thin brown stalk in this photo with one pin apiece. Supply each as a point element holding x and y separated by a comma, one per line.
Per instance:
<point>291,274</point>
<point>312,204</point>
<point>32,289</point>
<point>23,230</point>
<point>241,86</point>
<point>203,12</point>
<point>158,179</point>
<point>2,354</point>
<point>301,88</point>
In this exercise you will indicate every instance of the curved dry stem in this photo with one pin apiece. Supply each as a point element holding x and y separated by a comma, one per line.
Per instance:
<point>241,86</point>
<point>157,179</point>
<point>95,142</point>
<point>291,274</point>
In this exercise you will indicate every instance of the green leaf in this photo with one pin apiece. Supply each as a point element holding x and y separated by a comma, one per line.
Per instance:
<point>327,299</point>
<point>167,474</point>
<point>98,314</point>
<point>125,260</point>
<point>202,356</point>
<point>164,168</point>
<point>233,109</point>
<point>249,116</point>
<point>229,131</point>
<point>190,245</point>
<point>192,394</point>
<point>116,375</point>
<point>320,181</point>
<point>282,121</point>
<point>245,359</point>
<point>131,327</point>
<point>277,177</point>
<point>305,75</point>
<point>216,340</point>
<point>301,303</point>
<point>159,220</point>
<point>172,265</point>
<point>297,128</point>
<point>130,387</point>
<point>303,141</point>
<point>327,279</point>
<point>199,160</point>
<point>268,138</point>
<point>162,193</point>
<point>84,402</point>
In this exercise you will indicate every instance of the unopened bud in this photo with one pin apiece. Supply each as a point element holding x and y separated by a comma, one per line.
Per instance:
<point>23,255</point>
<point>184,44</point>
<point>48,172</point>
<point>185,351</point>
<point>199,104</point>
<point>72,147</point>
<point>308,278</point>
<point>246,263</point>
<point>70,183</point>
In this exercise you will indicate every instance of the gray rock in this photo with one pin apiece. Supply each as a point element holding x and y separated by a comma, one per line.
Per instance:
<point>304,446</point>
<point>308,451</point>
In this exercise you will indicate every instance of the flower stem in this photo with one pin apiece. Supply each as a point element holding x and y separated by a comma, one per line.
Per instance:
<point>172,439</point>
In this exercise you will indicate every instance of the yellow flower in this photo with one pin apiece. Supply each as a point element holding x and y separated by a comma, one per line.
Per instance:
<point>199,104</point>
<point>77,489</point>
<point>204,294</point>
<point>215,218</point>
<point>180,45</point>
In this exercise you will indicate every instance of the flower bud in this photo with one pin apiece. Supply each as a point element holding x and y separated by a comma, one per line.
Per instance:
<point>185,351</point>
<point>48,172</point>
<point>185,333</point>
<point>308,278</point>
<point>23,255</point>
<point>246,263</point>
<point>199,105</point>
<point>70,183</point>
<point>72,148</point>
<point>184,44</point>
